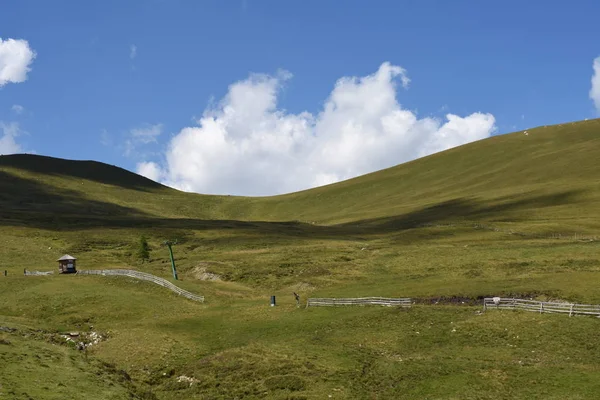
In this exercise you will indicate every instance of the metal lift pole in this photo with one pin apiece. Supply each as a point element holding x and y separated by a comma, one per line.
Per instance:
<point>169,244</point>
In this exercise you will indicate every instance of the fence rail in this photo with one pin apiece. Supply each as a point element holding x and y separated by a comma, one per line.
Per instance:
<point>361,301</point>
<point>146,277</point>
<point>38,273</point>
<point>541,306</point>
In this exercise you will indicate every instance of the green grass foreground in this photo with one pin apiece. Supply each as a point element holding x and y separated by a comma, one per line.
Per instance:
<point>512,215</point>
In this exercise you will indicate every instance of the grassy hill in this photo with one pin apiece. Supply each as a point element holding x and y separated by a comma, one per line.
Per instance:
<point>505,174</point>
<point>515,214</point>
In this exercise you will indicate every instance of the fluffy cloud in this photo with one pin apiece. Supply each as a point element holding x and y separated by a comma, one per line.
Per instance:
<point>246,145</point>
<point>150,170</point>
<point>15,58</point>
<point>595,90</point>
<point>8,144</point>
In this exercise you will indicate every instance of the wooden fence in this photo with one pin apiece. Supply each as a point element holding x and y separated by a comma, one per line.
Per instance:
<point>143,276</point>
<point>541,306</point>
<point>38,273</point>
<point>360,301</point>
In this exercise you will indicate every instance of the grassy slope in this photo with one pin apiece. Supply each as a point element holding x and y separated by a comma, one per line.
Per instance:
<point>551,166</point>
<point>406,231</point>
<point>35,369</point>
<point>557,163</point>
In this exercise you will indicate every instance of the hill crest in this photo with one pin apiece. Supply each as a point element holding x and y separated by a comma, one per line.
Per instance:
<point>83,169</point>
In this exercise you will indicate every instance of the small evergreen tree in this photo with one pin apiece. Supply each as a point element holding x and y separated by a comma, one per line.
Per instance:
<point>144,249</point>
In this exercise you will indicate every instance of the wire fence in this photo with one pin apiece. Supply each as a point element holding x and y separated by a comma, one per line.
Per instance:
<point>146,277</point>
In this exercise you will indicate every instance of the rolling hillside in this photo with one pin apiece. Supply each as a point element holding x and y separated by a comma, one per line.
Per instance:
<point>516,214</point>
<point>495,179</point>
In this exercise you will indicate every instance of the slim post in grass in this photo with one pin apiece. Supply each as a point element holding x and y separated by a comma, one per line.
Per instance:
<point>571,310</point>
<point>169,244</point>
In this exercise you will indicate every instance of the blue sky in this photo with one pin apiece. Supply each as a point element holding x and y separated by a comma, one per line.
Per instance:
<point>127,82</point>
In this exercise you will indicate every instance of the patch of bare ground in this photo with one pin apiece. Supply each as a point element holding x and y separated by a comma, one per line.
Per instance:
<point>478,300</point>
<point>201,271</point>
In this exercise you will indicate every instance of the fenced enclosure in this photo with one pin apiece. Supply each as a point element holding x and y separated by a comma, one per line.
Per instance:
<point>146,277</point>
<point>358,301</point>
<point>541,306</point>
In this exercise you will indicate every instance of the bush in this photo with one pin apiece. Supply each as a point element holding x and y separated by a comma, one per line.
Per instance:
<point>144,250</point>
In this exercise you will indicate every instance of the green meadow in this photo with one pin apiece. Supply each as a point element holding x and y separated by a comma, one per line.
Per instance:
<point>514,215</point>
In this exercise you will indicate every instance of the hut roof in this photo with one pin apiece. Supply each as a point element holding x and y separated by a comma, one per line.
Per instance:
<point>66,257</point>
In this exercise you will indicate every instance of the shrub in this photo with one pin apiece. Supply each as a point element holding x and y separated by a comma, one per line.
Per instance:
<point>144,249</point>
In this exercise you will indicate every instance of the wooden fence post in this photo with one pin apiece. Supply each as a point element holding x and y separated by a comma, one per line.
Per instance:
<point>571,310</point>
<point>541,307</point>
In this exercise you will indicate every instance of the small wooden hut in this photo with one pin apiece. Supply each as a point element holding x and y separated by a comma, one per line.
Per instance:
<point>66,264</point>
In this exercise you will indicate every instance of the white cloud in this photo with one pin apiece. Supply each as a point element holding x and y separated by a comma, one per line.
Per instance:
<point>142,136</point>
<point>149,169</point>
<point>15,58</point>
<point>132,51</point>
<point>148,133</point>
<point>17,109</point>
<point>595,90</point>
<point>8,144</point>
<point>246,145</point>
<point>105,138</point>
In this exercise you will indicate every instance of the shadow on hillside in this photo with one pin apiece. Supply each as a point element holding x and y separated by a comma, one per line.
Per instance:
<point>88,170</point>
<point>69,211</point>
<point>468,208</point>
<point>23,201</point>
